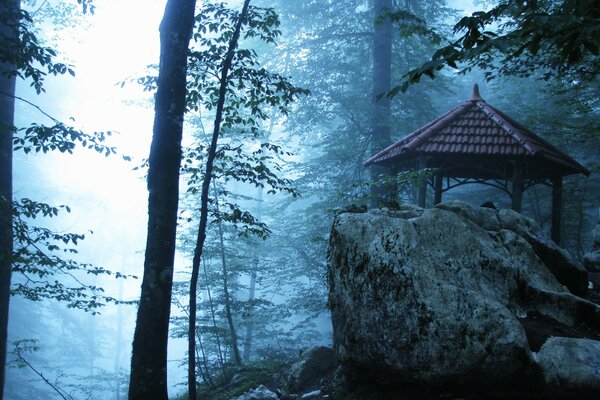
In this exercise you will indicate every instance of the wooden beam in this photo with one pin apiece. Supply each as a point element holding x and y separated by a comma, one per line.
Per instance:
<point>439,179</point>
<point>556,209</point>
<point>517,186</point>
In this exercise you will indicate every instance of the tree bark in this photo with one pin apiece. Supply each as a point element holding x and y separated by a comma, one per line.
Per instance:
<point>212,150</point>
<point>381,193</point>
<point>7,121</point>
<point>149,356</point>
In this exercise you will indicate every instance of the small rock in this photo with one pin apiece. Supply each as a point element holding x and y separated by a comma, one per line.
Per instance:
<point>260,393</point>
<point>571,364</point>
<point>311,395</point>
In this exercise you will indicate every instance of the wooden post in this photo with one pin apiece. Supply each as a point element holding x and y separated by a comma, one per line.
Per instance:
<point>517,186</point>
<point>393,186</point>
<point>422,194</point>
<point>439,180</point>
<point>556,208</point>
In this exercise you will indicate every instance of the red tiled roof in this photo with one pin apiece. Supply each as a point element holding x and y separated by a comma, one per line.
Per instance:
<point>475,128</point>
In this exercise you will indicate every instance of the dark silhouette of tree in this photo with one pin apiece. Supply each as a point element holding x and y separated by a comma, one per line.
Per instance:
<point>149,355</point>
<point>7,114</point>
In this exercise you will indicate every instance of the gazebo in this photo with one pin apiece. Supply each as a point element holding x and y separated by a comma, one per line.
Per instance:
<point>475,143</point>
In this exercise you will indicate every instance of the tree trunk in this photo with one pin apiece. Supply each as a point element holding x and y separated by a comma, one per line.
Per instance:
<point>381,193</point>
<point>250,326</point>
<point>149,355</point>
<point>232,331</point>
<point>212,150</point>
<point>7,117</point>
<point>214,321</point>
<point>252,292</point>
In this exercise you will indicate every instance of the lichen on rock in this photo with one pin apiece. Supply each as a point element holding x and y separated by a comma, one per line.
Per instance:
<point>436,297</point>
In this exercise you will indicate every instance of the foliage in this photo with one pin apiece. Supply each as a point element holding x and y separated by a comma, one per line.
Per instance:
<point>37,255</point>
<point>42,261</point>
<point>27,58</point>
<point>519,37</point>
<point>62,384</point>
<point>20,350</point>
<point>245,156</point>
<point>258,164</point>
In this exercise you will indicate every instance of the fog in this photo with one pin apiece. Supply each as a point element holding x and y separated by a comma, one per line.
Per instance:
<point>88,356</point>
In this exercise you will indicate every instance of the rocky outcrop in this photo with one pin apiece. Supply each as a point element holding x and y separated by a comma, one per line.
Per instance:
<point>438,297</point>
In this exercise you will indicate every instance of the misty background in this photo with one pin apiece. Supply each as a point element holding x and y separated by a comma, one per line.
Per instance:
<point>89,355</point>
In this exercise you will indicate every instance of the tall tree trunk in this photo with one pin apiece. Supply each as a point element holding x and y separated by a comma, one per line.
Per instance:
<point>382,72</point>
<point>232,331</point>
<point>7,121</point>
<point>212,150</point>
<point>149,356</point>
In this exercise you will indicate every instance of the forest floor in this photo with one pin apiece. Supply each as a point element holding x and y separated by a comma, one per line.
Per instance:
<point>274,374</point>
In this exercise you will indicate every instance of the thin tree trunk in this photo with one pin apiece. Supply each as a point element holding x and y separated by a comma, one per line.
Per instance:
<point>214,320</point>
<point>119,336</point>
<point>382,72</point>
<point>204,200</point>
<point>7,121</point>
<point>252,292</point>
<point>234,340</point>
<point>149,356</point>
<point>250,326</point>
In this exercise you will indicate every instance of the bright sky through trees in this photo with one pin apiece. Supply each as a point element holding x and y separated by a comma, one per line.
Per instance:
<point>106,196</point>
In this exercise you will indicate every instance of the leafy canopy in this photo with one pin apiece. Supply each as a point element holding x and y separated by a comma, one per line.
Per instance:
<point>516,37</point>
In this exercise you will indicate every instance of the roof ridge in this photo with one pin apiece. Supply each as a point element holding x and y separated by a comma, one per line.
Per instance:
<point>507,126</point>
<point>543,146</point>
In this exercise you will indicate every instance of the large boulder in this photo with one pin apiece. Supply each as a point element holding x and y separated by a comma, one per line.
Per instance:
<point>437,297</point>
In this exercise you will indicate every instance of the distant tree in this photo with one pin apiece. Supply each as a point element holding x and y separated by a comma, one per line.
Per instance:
<point>328,47</point>
<point>382,78</point>
<point>149,354</point>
